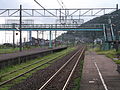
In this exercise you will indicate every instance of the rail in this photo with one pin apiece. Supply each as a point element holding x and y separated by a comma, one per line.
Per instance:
<point>62,68</point>
<point>2,82</point>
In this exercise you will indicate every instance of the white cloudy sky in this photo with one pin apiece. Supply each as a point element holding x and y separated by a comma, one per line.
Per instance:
<point>10,4</point>
<point>54,3</point>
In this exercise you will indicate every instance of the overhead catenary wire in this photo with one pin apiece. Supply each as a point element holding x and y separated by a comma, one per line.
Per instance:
<point>62,3</point>
<point>59,3</point>
<point>44,8</point>
<point>66,11</point>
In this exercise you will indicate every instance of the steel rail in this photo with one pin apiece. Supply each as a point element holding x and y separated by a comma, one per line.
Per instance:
<point>73,70</point>
<point>43,86</point>
<point>27,66</point>
<point>7,81</point>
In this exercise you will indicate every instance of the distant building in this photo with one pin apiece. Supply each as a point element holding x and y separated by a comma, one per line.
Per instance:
<point>37,42</point>
<point>24,21</point>
<point>41,42</point>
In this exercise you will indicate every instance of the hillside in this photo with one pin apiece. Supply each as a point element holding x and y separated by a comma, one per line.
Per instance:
<point>90,36</point>
<point>114,16</point>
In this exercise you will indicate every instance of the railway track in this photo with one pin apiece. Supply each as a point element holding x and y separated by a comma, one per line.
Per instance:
<point>61,78</point>
<point>13,74</point>
<point>1,76</point>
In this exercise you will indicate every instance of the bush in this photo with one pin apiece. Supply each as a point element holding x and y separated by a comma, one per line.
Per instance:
<point>7,44</point>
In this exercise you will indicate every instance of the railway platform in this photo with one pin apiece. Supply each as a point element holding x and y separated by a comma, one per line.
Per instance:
<point>19,57</point>
<point>99,73</point>
<point>26,52</point>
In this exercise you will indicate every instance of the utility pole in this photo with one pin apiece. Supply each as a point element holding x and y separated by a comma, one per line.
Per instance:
<point>42,34</point>
<point>55,37</point>
<point>37,34</point>
<point>117,38</point>
<point>20,28</point>
<point>13,35</point>
<point>50,39</point>
<point>94,36</point>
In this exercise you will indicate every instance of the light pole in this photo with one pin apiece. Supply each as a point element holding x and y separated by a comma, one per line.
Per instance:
<point>20,28</point>
<point>14,35</point>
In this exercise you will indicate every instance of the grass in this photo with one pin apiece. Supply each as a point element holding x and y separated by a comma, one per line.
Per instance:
<point>12,68</point>
<point>15,67</point>
<point>8,50</point>
<point>117,61</point>
<point>108,53</point>
<point>11,50</point>
<point>78,79</point>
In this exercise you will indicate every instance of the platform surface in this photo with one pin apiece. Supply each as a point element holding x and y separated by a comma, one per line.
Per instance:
<point>99,73</point>
<point>4,57</point>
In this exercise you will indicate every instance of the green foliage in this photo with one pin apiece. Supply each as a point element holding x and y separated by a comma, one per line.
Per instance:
<point>78,79</point>
<point>110,54</point>
<point>89,36</point>
<point>16,67</point>
<point>8,50</point>
<point>12,50</point>
<point>117,61</point>
<point>118,52</point>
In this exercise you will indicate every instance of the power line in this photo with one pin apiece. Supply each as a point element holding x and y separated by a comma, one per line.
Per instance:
<point>44,8</point>
<point>59,3</point>
<point>62,3</point>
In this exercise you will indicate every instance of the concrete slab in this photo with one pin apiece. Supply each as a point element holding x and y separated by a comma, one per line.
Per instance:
<point>99,73</point>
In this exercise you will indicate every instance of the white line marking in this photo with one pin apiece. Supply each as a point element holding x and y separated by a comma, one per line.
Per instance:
<point>103,82</point>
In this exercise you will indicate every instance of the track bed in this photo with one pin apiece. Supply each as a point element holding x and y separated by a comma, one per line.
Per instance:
<point>38,79</point>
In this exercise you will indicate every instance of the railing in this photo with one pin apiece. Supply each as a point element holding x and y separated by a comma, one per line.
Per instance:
<point>48,26</point>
